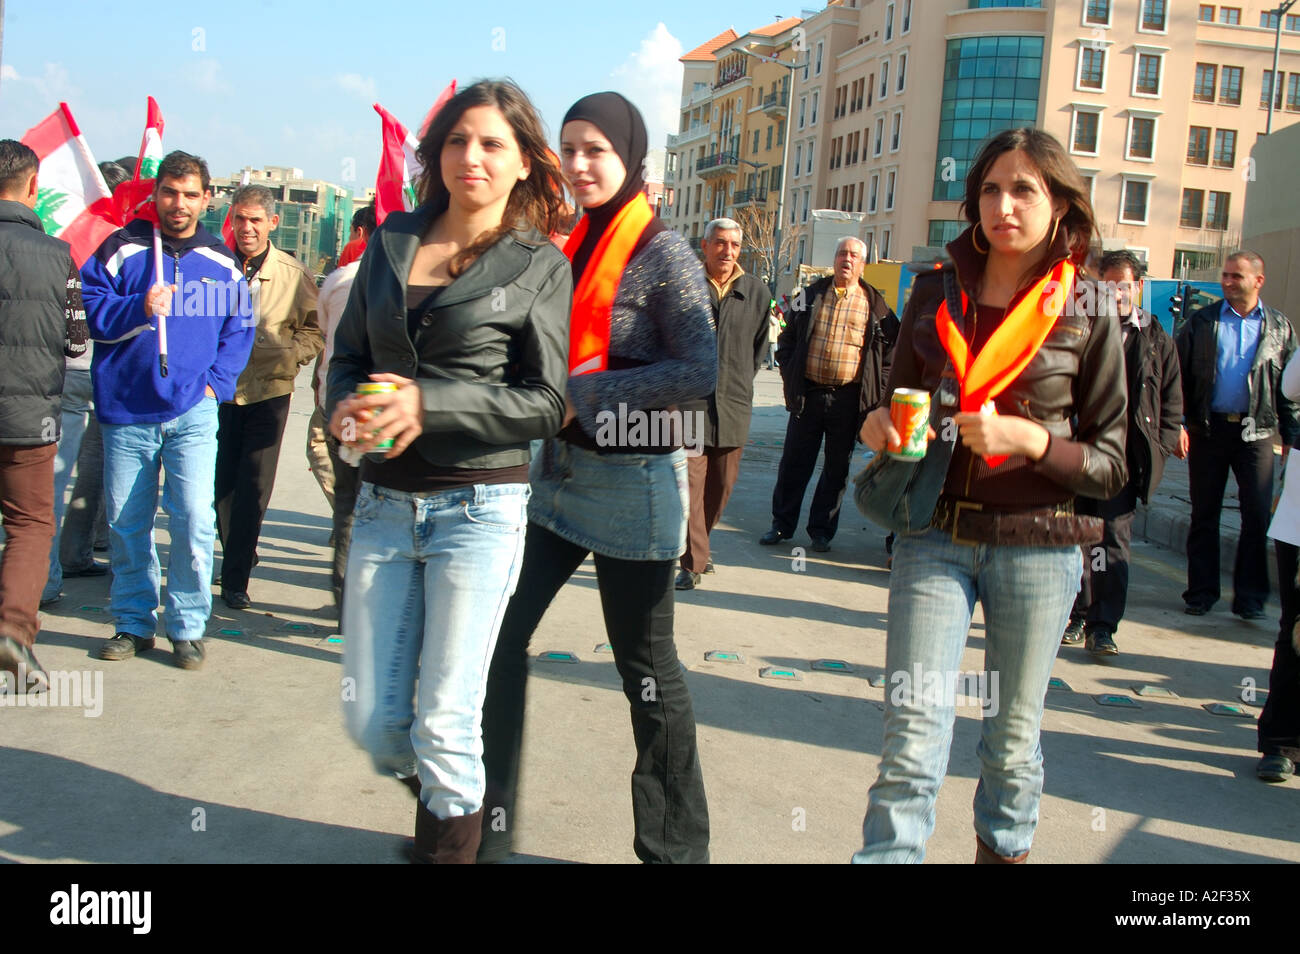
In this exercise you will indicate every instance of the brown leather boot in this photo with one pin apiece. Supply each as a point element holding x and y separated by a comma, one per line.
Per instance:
<point>984,855</point>
<point>445,841</point>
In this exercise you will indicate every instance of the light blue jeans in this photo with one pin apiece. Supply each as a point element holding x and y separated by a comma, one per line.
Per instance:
<point>1026,593</point>
<point>427,583</point>
<point>78,400</point>
<point>186,447</point>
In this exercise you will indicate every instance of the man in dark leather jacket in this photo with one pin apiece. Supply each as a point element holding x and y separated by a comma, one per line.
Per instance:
<point>826,395</point>
<point>1232,355</point>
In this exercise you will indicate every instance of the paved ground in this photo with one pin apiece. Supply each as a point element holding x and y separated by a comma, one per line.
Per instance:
<point>247,761</point>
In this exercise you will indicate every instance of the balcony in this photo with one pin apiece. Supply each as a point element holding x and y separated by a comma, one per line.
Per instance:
<point>776,105</point>
<point>717,165</point>
<point>698,131</point>
<point>749,197</point>
<point>695,97</point>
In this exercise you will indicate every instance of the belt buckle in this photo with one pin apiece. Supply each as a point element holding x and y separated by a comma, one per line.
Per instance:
<point>957,507</point>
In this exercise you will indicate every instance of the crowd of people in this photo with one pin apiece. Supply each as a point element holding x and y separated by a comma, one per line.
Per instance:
<point>467,358</point>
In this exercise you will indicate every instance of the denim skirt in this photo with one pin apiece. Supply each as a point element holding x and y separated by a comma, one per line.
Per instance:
<point>625,506</point>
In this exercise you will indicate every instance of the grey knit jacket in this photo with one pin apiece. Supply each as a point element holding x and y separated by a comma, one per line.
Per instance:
<point>662,317</point>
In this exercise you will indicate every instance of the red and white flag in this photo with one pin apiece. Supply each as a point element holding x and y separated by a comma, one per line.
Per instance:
<point>73,202</point>
<point>399,166</point>
<point>133,199</point>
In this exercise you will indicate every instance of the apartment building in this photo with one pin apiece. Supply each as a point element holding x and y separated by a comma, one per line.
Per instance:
<point>1159,104</point>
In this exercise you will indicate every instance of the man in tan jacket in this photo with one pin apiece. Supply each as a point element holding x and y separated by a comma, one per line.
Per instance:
<point>251,426</point>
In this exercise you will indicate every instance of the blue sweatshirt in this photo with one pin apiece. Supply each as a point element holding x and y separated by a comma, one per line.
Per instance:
<point>210,329</point>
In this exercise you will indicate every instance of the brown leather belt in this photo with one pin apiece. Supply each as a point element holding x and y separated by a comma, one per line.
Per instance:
<point>1057,526</point>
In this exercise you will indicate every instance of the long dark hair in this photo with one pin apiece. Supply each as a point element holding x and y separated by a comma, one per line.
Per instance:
<point>1059,173</point>
<point>537,201</point>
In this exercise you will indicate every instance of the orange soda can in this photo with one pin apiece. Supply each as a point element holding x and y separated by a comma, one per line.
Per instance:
<point>909,412</point>
<point>378,387</point>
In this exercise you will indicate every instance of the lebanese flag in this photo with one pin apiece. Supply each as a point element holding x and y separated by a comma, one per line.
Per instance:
<point>228,228</point>
<point>73,202</point>
<point>134,199</point>
<point>398,165</point>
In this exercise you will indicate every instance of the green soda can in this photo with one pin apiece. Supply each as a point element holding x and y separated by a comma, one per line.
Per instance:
<point>378,387</point>
<point>909,411</point>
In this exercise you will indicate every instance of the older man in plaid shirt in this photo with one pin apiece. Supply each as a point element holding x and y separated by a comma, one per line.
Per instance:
<point>834,357</point>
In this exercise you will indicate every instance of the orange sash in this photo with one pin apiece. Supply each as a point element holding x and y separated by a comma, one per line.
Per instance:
<point>1011,347</point>
<point>593,298</point>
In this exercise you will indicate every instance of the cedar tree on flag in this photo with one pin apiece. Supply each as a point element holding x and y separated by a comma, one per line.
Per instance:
<point>73,202</point>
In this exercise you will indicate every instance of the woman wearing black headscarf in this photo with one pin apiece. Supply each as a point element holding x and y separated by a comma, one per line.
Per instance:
<point>613,483</point>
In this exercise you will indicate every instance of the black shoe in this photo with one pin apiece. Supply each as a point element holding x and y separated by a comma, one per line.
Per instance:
<point>1073,633</point>
<point>708,567</point>
<point>20,663</point>
<point>821,544</point>
<point>773,536</point>
<point>1253,612</point>
<point>50,601</point>
<point>236,600</point>
<point>95,569</point>
<point>1100,643</point>
<point>188,653</point>
<point>1196,609</point>
<point>686,580</point>
<point>1274,768</point>
<point>124,646</point>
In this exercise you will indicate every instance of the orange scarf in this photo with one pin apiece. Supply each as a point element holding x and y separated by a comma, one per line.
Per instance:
<point>593,298</point>
<point>1011,347</point>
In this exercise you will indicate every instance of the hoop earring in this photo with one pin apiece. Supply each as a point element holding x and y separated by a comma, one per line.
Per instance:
<point>974,240</point>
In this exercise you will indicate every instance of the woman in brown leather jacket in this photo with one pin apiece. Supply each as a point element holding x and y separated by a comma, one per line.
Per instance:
<point>1032,391</point>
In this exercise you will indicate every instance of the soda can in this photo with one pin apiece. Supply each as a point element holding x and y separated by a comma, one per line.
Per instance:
<point>909,411</point>
<point>378,387</point>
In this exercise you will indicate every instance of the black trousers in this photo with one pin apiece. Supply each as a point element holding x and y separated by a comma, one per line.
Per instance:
<point>347,479</point>
<point>669,811</point>
<point>1103,593</point>
<point>248,449</point>
<point>1279,723</point>
<point>830,413</point>
<point>1208,463</point>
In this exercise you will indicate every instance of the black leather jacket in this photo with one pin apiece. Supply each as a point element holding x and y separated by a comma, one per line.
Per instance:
<point>491,356</point>
<point>1198,349</point>
<point>1074,386</point>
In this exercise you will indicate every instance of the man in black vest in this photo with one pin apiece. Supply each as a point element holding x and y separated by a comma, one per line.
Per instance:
<point>41,322</point>
<point>740,306</point>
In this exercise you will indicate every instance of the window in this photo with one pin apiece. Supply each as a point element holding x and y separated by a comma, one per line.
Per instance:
<point>803,110</point>
<point>889,22</point>
<point>1146,79</point>
<point>896,132</point>
<point>1153,15</point>
<point>807,203</point>
<point>1193,208</point>
<point>862,189</point>
<point>1225,148</point>
<point>1141,137</point>
<point>1206,14</point>
<point>1230,85</point>
<point>1230,15</point>
<point>1293,93</point>
<point>1268,20</point>
<point>817,69</point>
<point>870,240</point>
<point>890,180</point>
<point>1092,68</point>
<point>812,121</point>
<point>874,194</point>
<point>769,137</point>
<point>880,136</point>
<point>902,72</point>
<point>798,158</point>
<point>801,253</point>
<point>907,17</point>
<point>1291,24</point>
<point>1097,11</point>
<point>884,244</point>
<point>1206,77</point>
<point>943,231</point>
<point>1216,211</point>
<point>1266,86</point>
<point>810,157</point>
<point>884,79</point>
<point>755,149</point>
<point>1134,209</point>
<point>1198,145</point>
<point>1086,125</point>
<point>780,134</point>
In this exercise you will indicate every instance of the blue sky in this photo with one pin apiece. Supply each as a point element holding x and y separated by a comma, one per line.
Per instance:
<point>271,82</point>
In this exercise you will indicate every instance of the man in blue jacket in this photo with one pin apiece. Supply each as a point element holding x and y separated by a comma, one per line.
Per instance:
<point>153,413</point>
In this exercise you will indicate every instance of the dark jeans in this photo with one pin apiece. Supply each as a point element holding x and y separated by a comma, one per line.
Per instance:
<point>84,522</point>
<point>346,481</point>
<point>27,505</point>
<point>827,412</point>
<point>1104,591</point>
<point>1208,462</point>
<point>1279,723</point>
<point>669,811</point>
<point>248,449</point>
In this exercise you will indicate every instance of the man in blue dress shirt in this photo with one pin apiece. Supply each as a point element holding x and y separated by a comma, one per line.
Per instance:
<point>1232,355</point>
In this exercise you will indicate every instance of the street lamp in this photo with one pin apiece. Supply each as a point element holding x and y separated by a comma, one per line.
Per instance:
<point>785,160</point>
<point>1275,86</point>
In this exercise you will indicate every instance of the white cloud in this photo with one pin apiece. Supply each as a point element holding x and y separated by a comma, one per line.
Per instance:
<point>652,78</point>
<point>362,86</point>
<point>52,86</point>
<point>204,73</point>
<point>7,72</point>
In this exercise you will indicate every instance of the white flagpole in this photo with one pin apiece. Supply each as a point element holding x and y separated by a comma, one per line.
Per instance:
<point>162,317</point>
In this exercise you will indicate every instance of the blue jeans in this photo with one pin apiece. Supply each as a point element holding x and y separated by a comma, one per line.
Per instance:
<point>187,448</point>
<point>426,587</point>
<point>78,399</point>
<point>1026,593</point>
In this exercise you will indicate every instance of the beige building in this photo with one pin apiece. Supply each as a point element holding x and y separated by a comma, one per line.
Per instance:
<point>1158,102</point>
<point>1271,226</point>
